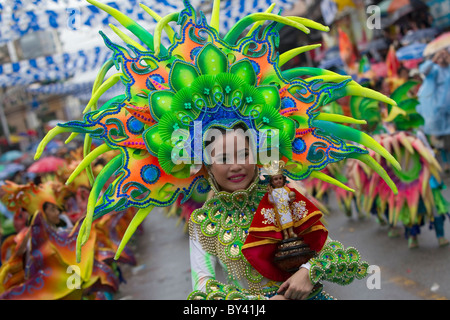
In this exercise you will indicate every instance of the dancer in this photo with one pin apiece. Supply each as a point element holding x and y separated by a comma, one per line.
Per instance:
<point>203,81</point>
<point>419,183</point>
<point>39,260</point>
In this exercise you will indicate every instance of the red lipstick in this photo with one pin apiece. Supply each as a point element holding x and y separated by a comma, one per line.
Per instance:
<point>237,178</point>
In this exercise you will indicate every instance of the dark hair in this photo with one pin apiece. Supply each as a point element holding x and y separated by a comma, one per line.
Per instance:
<point>37,180</point>
<point>46,204</point>
<point>61,222</point>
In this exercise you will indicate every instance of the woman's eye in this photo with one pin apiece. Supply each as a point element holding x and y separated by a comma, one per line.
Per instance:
<point>243,154</point>
<point>223,159</point>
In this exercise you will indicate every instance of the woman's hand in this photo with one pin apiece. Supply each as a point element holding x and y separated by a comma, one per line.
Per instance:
<point>298,286</point>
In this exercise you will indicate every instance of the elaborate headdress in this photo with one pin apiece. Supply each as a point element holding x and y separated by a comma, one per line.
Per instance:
<point>31,197</point>
<point>274,168</point>
<point>81,180</point>
<point>203,80</point>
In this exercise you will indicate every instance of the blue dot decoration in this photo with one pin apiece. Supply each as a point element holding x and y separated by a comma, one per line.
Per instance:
<point>158,78</point>
<point>155,77</point>
<point>256,67</point>
<point>150,173</point>
<point>287,103</point>
<point>298,146</point>
<point>135,126</point>
<point>194,52</point>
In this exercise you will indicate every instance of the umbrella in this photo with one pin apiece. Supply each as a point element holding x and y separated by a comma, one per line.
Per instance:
<point>10,169</point>
<point>11,156</point>
<point>399,8</point>
<point>441,42</point>
<point>48,164</point>
<point>411,52</point>
<point>377,44</point>
<point>331,58</point>
<point>330,63</point>
<point>422,35</point>
<point>53,146</point>
<point>380,69</point>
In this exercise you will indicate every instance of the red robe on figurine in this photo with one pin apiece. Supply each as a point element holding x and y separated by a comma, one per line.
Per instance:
<point>265,233</point>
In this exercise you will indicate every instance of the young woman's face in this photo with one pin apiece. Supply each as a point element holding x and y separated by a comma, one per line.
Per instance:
<point>233,165</point>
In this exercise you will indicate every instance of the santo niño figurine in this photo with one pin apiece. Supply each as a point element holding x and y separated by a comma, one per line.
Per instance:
<point>285,231</point>
<point>282,197</point>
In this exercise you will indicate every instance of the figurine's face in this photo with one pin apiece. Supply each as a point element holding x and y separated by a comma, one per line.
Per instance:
<point>233,165</point>
<point>278,181</point>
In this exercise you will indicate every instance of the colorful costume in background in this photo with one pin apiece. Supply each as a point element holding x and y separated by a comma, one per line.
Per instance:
<point>39,262</point>
<point>322,190</point>
<point>419,183</point>
<point>184,211</point>
<point>75,194</point>
<point>205,80</point>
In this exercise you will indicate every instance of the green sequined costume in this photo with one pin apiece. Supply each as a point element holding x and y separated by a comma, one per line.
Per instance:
<point>219,229</point>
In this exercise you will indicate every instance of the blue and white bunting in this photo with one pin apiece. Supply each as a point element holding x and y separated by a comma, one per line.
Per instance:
<point>20,17</point>
<point>53,68</point>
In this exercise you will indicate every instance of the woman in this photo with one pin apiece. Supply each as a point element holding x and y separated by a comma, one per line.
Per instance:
<point>232,178</point>
<point>205,80</point>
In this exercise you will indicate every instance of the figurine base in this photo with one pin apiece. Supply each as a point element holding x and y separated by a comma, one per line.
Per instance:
<point>291,254</point>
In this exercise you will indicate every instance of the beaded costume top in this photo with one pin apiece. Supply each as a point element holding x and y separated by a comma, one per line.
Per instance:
<point>221,226</point>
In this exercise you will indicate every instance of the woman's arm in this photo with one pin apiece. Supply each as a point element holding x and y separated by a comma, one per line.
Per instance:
<point>426,68</point>
<point>205,286</point>
<point>202,265</point>
<point>333,263</point>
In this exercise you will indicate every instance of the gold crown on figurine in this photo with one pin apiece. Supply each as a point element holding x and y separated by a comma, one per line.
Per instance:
<point>274,168</point>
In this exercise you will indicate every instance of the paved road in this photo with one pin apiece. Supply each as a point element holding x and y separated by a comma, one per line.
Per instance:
<point>163,270</point>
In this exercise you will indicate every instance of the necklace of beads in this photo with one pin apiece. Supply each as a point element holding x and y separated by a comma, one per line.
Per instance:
<point>221,226</point>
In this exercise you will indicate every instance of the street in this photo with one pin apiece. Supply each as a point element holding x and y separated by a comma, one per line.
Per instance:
<point>163,268</point>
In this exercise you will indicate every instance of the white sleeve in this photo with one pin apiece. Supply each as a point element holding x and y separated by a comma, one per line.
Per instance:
<point>306,265</point>
<point>202,265</point>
